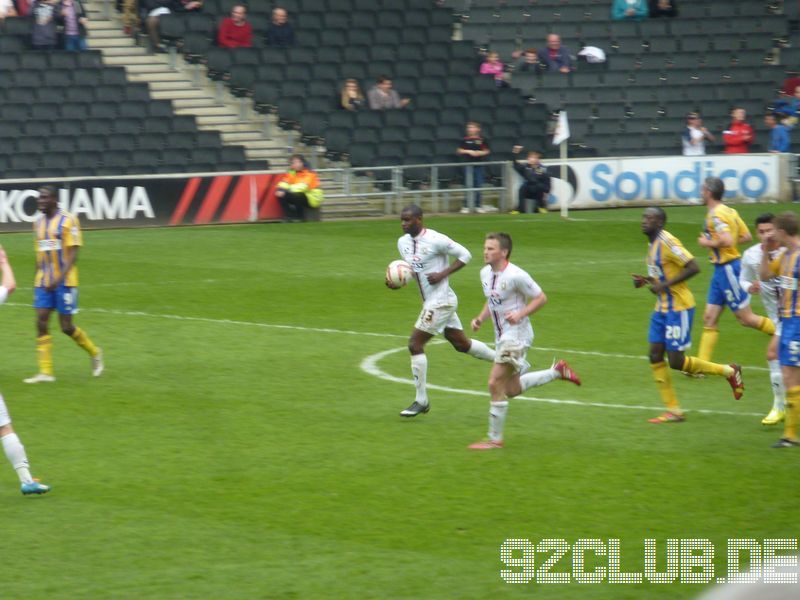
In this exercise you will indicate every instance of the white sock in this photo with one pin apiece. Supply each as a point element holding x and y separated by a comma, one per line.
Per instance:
<point>419,369</point>
<point>480,350</point>
<point>778,390</point>
<point>15,452</point>
<point>497,419</point>
<point>537,378</point>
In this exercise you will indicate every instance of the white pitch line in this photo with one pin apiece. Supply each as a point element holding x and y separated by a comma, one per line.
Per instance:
<point>137,313</point>
<point>370,366</point>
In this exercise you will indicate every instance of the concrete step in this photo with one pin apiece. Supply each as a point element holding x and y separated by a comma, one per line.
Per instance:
<point>231,126</point>
<point>195,102</point>
<point>185,94</point>
<point>168,76</point>
<point>241,137</point>
<point>206,111</point>
<point>149,67</point>
<point>214,120</point>
<point>120,41</point>
<point>168,86</point>
<point>123,51</point>
<point>127,59</point>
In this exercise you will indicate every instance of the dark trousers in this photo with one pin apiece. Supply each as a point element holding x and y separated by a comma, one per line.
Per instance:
<point>477,181</point>
<point>524,193</point>
<point>294,205</point>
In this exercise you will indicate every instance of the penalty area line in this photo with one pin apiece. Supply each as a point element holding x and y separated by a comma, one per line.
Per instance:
<point>370,366</point>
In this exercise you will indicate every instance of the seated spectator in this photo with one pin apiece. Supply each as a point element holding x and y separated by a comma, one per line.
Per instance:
<point>280,32</point>
<point>790,85</point>
<point>629,10</point>
<point>157,8</point>
<point>235,31</point>
<point>739,134</point>
<point>663,8</point>
<point>351,97</point>
<point>130,16</point>
<point>779,134</point>
<point>492,66</point>
<point>695,136</point>
<point>298,189</point>
<point>44,34</point>
<point>535,182</point>
<point>789,105</point>
<point>7,9</point>
<point>555,57</point>
<point>383,97</point>
<point>74,19</point>
<point>527,61</point>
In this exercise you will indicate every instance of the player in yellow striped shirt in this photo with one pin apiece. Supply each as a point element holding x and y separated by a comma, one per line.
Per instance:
<point>787,268</point>
<point>724,230</point>
<point>57,237</point>
<point>669,266</point>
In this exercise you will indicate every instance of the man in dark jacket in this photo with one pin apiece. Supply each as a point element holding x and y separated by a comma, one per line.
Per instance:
<point>536,182</point>
<point>280,32</point>
<point>44,34</point>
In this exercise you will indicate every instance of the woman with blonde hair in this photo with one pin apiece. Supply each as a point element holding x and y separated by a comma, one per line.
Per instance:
<point>352,98</point>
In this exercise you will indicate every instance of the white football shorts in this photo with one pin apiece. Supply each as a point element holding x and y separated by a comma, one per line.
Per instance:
<point>435,320</point>
<point>514,353</point>
<point>5,418</point>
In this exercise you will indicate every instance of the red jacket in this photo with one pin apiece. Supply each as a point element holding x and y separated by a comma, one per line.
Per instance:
<point>231,35</point>
<point>738,138</point>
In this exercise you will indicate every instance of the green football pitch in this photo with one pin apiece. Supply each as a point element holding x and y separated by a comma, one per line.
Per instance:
<point>244,441</point>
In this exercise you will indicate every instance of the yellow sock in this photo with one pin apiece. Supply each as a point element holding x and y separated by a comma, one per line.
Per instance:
<point>664,382</point>
<point>693,364</point>
<point>80,337</point>
<point>792,413</point>
<point>766,326</point>
<point>707,342</point>
<point>44,354</point>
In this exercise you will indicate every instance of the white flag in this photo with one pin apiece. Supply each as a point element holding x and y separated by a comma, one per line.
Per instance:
<point>562,129</point>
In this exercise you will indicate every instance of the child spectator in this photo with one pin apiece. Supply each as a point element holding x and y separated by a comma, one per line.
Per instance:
<point>351,96</point>
<point>739,134</point>
<point>492,66</point>
<point>779,134</point>
<point>235,31</point>
<point>527,61</point>
<point>536,182</point>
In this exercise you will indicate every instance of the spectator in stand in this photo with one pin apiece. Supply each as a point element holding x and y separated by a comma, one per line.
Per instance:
<point>383,97</point>
<point>779,134</point>
<point>535,184</point>
<point>663,8</point>
<point>739,134</point>
<point>280,32</point>
<point>298,189</point>
<point>474,148</point>
<point>73,16</point>
<point>157,8</point>
<point>695,136</point>
<point>555,57</point>
<point>790,85</point>
<point>351,97</point>
<point>44,35</point>
<point>494,67</point>
<point>789,105</point>
<point>7,9</point>
<point>23,7</point>
<point>527,61</point>
<point>629,10</point>
<point>235,31</point>
<point>130,16</point>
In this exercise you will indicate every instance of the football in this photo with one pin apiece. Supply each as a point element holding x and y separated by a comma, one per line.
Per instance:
<point>399,273</point>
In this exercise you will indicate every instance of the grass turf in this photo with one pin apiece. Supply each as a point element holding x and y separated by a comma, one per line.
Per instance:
<point>236,448</point>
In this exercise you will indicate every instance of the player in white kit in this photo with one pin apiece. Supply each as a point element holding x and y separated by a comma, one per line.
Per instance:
<point>511,297</point>
<point>769,292</point>
<point>13,448</point>
<point>428,252</point>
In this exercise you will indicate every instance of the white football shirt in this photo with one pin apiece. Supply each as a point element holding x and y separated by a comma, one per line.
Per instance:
<point>507,291</point>
<point>430,252</point>
<point>770,290</point>
<point>3,294</point>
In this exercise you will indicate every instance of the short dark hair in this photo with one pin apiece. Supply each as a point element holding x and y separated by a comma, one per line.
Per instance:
<point>49,189</point>
<point>765,218</point>
<point>715,187</point>
<point>538,153</point>
<point>299,157</point>
<point>383,78</point>
<point>413,209</point>
<point>787,221</point>
<point>662,215</point>
<point>501,238</point>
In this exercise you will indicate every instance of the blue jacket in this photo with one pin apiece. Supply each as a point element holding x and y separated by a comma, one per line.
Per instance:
<point>779,139</point>
<point>620,6</point>
<point>562,59</point>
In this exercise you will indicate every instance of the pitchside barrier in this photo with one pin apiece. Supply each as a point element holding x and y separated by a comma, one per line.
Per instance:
<point>205,198</point>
